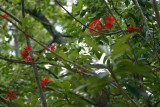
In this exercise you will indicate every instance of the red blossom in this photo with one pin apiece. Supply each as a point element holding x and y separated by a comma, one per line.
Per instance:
<point>94,24</point>
<point>138,29</point>
<point>27,48</point>
<point>11,95</point>
<point>109,22</point>
<point>131,28</point>
<point>44,82</point>
<point>110,19</point>
<point>11,91</point>
<point>108,25</point>
<point>28,59</point>
<point>4,16</point>
<point>24,54</point>
<point>50,48</point>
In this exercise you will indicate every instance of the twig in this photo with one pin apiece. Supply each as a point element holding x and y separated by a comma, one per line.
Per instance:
<point>112,14</point>
<point>35,70</point>
<point>121,90</point>
<point>119,13</point>
<point>149,33</point>
<point>4,101</point>
<point>83,23</point>
<point>17,20</point>
<point>157,14</point>
<point>28,63</point>
<point>84,98</point>
<point>49,72</point>
<point>44,46</point>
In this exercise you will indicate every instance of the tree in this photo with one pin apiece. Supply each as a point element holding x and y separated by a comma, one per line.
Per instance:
<point>106,55</point>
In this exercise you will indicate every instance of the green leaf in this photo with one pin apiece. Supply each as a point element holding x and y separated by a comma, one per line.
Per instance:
<point>136,91</point>
<point>90,42</point>
<point>120,45</point>
<point>15,1</point>
<point>126,66</point>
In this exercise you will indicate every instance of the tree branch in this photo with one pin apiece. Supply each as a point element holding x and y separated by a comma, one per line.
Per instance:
<point>110,11</point>
<point>35,70</point>
<point>157,14</point>
<point>81,22</point>
<point>84,98</point>
<point>44,46</point>
<point>149,33</point>
<point>13,17</point>
<point>38,15</point>
<point>119,13</point>
<point>4,101</point>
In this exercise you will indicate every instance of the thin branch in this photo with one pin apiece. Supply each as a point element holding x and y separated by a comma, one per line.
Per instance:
<point>35,70</point>
<point>145,20</point>
<point>80,21</point>
<point>14,61</point>
<point>23,9</point>
<point>38,15</point>
<point>4,101</point>
<point>13,17</point>
<point>120,88</point>
<point>149,33</point>
<point>49,72</point>
<point>157,14</point>
<point>110,11</point>
<point>44,46</point>
<point>119,13</point>
<point>28,63</point>
<point>84,98</point>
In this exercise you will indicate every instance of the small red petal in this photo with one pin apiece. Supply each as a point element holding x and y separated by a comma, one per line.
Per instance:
<point>27,48</point>
<point>11,91</point>
<point>108,25</point>
<point>42,84</point>
<point>94,24</point>
<point>7,95</point>
<point>4,16</point>
<point>52,47</point>
<point>14,95</point>
<point>45,49</point>
<point>130,28</point>
<point>46,80</point>
<point>28,59</point>
<point>138,29</point>
<point>110,19</point>
<point>24,54</point>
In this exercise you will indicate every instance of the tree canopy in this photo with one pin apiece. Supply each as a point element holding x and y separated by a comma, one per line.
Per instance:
<point>102,53</point>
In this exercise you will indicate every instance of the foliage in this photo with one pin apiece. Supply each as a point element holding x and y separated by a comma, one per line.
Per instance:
<point>102,66</point>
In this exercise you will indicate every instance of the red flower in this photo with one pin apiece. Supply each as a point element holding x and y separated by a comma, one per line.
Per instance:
<point>94,24</point>
<point>110,19</point>
<point>24,54</point>
<point>4,16</point>
<point>108,25</point>
<point>11,95</point>
<point>138,29</point>
<point>130,28</point>
<point>109,22</point>
<point>11,91</point>
<point>50,48</point>
<point>44,82</point>
<point>28,59</point>
<point>27,48</point>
